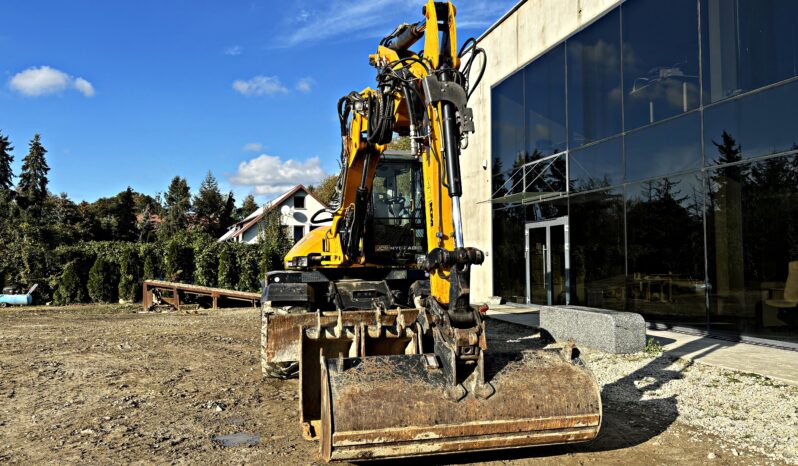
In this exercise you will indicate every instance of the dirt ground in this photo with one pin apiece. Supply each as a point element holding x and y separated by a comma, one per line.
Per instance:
<point>106,385</point>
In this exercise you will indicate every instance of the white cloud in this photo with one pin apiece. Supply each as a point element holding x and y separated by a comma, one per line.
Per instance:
<point>305,85</point>
<point>377,18</point>
<point>346,17</point>
<point>260,85</point>
<point>84,87</point>
<point>269,174</point>
<point>234,50</point>
<point>44,80</point>
<point>253,147</point>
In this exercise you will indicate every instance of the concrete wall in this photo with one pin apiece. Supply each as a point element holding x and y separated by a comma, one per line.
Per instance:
<point>534,27</point>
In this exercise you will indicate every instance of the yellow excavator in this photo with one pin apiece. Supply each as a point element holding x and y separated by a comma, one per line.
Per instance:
<point>372,312</point>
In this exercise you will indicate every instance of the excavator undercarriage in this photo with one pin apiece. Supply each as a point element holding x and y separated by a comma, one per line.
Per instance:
<point>373,313</point>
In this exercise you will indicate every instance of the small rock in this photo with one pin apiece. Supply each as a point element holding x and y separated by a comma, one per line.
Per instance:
<point>711,456</point>
<point>218,409</point>
<point>735,452</point>
<point>86,431</point>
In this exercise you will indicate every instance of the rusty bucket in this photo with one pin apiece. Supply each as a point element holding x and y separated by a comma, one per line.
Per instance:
<point>395,406</point>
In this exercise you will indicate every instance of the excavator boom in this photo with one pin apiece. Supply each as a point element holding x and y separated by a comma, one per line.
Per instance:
<point>392,357</point>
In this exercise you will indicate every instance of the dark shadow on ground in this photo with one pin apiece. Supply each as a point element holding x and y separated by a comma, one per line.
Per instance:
<point>628,419</point>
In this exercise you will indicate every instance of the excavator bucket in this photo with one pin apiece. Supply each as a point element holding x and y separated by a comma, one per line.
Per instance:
<point>394,406</point>
<point>368,391</point>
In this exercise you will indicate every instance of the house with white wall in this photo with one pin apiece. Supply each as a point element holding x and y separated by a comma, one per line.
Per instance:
<point>296,207</point>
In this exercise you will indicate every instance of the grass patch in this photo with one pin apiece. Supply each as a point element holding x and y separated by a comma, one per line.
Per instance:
<point>653,347</point>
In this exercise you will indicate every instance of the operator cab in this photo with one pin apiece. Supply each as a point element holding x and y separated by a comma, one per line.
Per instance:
<point>396,214</point>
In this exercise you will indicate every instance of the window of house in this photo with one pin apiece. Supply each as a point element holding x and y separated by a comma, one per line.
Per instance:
<point>299,202</point>
<point>299,232</point>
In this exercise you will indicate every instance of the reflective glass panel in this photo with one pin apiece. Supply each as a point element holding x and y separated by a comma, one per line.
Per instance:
<point>547,177</point>
<point>670,147</point>
<point>747,44</point>
<point>594,81</point>
<point>544,81</point>
<point>536,266</point>
<point>758,124</point>
<point>665,249</point>
<point>547,210</point>
<point>660,60</point>
<point>507,137</point>
<point>596,166</point>
<point>597,249</point>
<point>752,248</point>
<point>509,269</point>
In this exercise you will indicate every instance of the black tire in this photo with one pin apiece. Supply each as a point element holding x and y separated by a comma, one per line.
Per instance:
<point>277,370</point>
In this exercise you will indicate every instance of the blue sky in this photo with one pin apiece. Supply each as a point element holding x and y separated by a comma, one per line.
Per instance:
<point>134,93</point>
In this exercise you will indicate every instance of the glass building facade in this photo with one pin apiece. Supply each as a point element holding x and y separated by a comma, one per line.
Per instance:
<point>649,163</point>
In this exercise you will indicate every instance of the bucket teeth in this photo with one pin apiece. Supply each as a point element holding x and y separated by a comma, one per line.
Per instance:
<point>369,389</point>
<point>402,405</point>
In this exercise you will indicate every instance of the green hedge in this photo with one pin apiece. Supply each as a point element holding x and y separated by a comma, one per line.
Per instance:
<point>130,276</point>
<point>103,282</point>
<point>106,271</point>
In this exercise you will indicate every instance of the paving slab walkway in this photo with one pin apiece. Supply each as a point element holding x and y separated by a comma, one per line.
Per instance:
<point>775,363</point>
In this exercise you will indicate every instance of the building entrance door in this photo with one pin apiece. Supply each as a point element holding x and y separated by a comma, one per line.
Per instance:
<point>547,262</point>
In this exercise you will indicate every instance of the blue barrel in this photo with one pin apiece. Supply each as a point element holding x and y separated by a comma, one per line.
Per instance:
<point>16,299</point>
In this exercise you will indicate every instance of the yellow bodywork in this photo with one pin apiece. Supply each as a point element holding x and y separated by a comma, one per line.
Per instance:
<point>326,241</point>
<point>383,379</point>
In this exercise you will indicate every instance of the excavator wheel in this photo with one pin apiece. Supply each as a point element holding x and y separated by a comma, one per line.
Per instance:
<point>277,370</point>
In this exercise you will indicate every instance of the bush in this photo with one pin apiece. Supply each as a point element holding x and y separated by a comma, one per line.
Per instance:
<point>248,269</point>
<point>227,267</point>
<point>274,242</point>
<point>129,276</point>
<point>71,288</point>
<point>179,259</point>
<point>152,255</point>
<point>206,264</point>
<point>103,282</point>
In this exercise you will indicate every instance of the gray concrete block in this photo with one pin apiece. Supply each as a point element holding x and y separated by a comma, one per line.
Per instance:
<point>605,330</point>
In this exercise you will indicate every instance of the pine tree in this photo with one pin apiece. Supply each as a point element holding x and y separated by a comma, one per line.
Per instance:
<point>227,276</point>
<point>274,242</point>
<point>125,215</point>
<point>70,287</point>
<point>33,178</point>
<point>248,206</point>
<point>129,275</point>
<point>228,214</point>
<point>103,282</point>
<point>178,203</point>
<point>209,204</point>
<point>6,174</point>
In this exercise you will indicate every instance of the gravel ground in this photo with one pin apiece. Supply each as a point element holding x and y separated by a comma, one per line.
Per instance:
<point>102,384</point>
<point>746,411</point>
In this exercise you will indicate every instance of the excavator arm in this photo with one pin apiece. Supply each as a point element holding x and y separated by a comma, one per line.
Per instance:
<point>395,381</point>
<point>423,96</point>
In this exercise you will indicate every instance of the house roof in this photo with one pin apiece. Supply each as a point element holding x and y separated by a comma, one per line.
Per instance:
<point>256,216</point>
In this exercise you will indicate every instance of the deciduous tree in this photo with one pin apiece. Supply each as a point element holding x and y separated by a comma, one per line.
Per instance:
<point>326,189</point>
